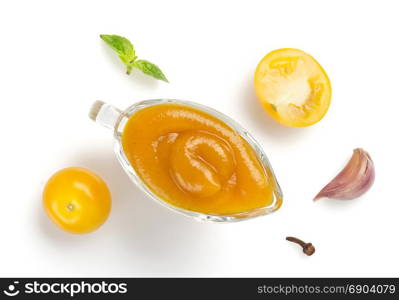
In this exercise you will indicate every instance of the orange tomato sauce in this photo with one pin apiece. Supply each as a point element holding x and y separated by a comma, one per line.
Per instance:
<point>193,160</point>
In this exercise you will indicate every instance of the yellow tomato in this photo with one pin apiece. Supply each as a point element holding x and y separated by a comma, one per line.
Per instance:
<point>292,87</point>
<point>77,200</point>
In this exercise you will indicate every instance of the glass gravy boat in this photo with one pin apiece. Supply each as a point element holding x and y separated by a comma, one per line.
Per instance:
<point>115,120</point>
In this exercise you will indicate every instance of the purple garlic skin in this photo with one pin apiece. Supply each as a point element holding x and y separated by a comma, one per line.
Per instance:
<point>353,181</point>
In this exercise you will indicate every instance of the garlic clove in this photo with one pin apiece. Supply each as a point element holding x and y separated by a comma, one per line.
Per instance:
<point>353,181</point>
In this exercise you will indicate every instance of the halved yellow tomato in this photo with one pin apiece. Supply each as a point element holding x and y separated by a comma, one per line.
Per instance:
<point>292,87</point>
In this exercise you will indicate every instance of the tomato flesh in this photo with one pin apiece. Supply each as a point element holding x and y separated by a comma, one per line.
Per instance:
<point>292,87</point>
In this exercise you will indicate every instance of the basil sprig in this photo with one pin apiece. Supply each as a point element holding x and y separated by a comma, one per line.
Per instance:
<point>125,50</point>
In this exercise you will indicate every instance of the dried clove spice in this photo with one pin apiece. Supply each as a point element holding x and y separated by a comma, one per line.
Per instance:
<point>308,248</point>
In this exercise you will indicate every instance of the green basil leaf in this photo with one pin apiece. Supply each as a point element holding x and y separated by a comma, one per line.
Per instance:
<point>150,69</point>
<point>121,45</point>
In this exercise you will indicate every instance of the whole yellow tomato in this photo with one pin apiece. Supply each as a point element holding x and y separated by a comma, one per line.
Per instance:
<point>77,200</point>
<point>292,87</point>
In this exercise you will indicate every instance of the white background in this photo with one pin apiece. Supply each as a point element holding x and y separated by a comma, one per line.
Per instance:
<point>53,65</point>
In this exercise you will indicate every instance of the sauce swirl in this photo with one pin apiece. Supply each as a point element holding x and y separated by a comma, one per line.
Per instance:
<point>195,161</point>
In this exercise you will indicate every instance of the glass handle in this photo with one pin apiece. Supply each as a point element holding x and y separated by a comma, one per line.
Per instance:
<point>105,114</point>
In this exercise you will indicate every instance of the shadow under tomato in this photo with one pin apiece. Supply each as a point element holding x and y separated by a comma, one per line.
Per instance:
<point>137,223</point>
